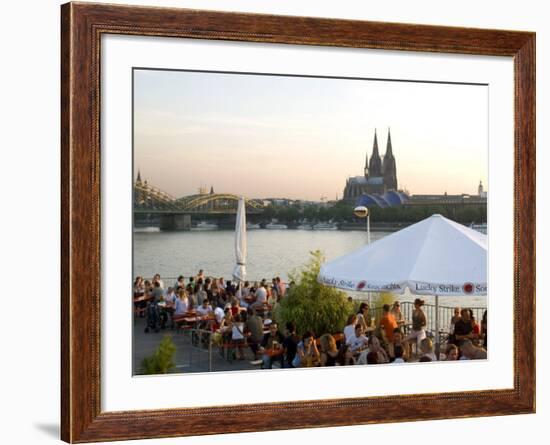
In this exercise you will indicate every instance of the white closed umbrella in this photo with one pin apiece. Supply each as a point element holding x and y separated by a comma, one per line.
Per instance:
<point>435,256</point>
<point>239,273</point>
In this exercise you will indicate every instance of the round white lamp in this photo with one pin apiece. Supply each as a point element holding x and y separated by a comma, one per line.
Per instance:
<point>363,212</point>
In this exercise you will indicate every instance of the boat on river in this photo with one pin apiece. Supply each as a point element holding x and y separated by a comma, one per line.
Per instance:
<point>204,225</point>
<point>325,226</point>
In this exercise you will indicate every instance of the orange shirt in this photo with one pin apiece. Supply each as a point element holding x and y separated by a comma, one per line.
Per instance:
<point>388,323</point>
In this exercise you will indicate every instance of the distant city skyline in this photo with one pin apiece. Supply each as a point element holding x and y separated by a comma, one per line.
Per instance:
<point>267,136</point>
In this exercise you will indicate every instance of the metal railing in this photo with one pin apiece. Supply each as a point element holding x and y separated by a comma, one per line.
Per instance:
<point>445,314</point>
<point>407,308</point>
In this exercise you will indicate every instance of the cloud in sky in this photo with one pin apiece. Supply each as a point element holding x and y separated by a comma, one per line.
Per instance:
<point>299,137</point>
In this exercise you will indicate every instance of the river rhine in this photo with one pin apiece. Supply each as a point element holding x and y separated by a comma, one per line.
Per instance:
<point>271,253</point>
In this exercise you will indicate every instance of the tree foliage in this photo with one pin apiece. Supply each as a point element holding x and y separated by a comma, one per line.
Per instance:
<point>162,361</point>
<point>343,212</point>
<point>311,305</point>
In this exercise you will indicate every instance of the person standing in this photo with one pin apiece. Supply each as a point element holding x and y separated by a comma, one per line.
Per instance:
<point>388,325</point>
<point>271,347</point>
<point>290,344</point>
<point>418,332</point>
<point>463,328</point>
<point>254,329</point>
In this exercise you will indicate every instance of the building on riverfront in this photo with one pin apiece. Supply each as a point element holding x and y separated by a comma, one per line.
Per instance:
<point>380,175</point>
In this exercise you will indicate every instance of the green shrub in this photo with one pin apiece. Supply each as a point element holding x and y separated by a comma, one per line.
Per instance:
<point>378,300</point>
<point>311,305</point>
<point>162,361</point>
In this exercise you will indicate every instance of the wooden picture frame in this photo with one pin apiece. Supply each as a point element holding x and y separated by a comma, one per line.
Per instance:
<point>82,26</point>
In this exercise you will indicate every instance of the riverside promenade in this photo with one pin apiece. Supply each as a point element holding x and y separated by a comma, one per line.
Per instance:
<point>188,358</point>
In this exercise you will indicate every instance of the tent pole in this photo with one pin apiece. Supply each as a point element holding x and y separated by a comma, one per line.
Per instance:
<point>368,228</point>
<point>437,326</point>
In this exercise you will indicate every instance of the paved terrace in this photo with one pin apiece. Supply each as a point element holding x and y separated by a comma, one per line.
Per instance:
<point>188,358</point>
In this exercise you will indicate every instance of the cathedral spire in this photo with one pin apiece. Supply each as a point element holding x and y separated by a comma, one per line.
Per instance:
<point>389,151</point>
<point>366,170</point>
<point>138,180</point>
<point>375,164</point>
<point>388,166</point>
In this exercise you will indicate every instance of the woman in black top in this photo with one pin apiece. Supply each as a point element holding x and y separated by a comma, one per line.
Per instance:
<point>329,351</point>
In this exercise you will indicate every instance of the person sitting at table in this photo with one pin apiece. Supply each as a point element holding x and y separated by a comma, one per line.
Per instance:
<point>476,328</point>
<point>427,349</point>
<point>242,293</point>
<point>215,295</point>
<point>180,284</point>
<point>470,352</point>
<point>170,299</point>
<point>329,351</point>
<point>358,341</point>
<point>254,330</point>
<point>483,334</point>
<point>290,344</point>
<point>388,325</point>
<point>271,347</point>
<point>226,323</point>
<point>189,291</point>
<point>235,308</point>
<point>398,354</point>
<point>218,318</point>
<point>345,356</point>
<point>158,291</point>
<point>237,336</point>
<point>260,297</point>
<point>148,287</point>
<point>272,295</point>
<point>349,330</point>
<point>139,287</point>
<point>375,347</point>
<point>398,342</point>
<point>451,353</point>
<point>156,279</point>
<point>139,291</point>
<point>200,294</point>
<point>181,304</point>
<point>204,308</point>
<point>463,328</point>
<point>307,354</point>
<point>454,319</point>
<point>372,358</point>
<point>397,314</point>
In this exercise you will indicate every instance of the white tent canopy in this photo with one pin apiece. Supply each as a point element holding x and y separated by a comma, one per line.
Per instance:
<point>239,272</point>
<point>436,256</point>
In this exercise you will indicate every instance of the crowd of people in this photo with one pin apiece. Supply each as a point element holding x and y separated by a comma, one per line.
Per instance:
<point>242,316</point>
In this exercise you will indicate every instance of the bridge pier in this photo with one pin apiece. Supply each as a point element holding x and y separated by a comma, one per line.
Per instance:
<point>175,222</point>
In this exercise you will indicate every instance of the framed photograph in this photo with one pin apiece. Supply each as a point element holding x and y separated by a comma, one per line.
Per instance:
<point>330,216</point>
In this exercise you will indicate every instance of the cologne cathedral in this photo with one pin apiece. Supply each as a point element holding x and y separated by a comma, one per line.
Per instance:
<point>380,175</point>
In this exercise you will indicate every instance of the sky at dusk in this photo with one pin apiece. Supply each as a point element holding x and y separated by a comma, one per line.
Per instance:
<point>274,136</point>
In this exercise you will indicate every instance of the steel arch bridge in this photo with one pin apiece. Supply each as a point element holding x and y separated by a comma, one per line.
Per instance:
<point>149,199</point>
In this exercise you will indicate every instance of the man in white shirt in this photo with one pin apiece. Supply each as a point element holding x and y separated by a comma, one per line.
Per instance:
<point>219,314</point>
<point>261,294</point>
<point>358,341</point>
<point>204,308</point>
